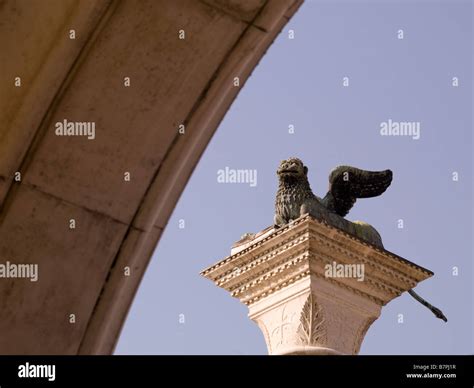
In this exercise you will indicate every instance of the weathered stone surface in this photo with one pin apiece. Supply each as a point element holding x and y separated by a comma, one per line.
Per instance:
<point>134,125</point>
<point>124,278</point>
<point>72,266</point>
<point>119,223</point>
<point>36,47</point>
<point>245,10</point>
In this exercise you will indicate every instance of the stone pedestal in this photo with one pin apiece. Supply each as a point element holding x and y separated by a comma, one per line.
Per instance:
<point>312,288</point>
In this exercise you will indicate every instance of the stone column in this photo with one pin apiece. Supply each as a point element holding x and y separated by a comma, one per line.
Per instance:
<point>313,288</point>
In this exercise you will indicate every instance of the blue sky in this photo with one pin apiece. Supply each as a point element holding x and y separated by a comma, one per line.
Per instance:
<point>300,82</point>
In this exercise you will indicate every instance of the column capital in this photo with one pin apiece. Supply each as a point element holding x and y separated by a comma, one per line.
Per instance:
<point>313,288</point>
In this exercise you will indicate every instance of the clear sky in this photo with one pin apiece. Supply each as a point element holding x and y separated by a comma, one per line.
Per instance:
<point>300,82</point>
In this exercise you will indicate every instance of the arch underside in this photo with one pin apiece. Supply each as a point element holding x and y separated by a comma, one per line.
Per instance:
<point>117,222</point>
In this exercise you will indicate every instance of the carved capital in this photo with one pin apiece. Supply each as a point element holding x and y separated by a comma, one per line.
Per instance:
<point>299,323</point>
<point>301,307</point>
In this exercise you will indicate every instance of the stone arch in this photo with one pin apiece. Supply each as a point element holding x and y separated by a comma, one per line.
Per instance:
<point>125,69</point>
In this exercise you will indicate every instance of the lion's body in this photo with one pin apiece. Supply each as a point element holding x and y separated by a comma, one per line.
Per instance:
<point>290,197</point>
<point>295,198</point>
